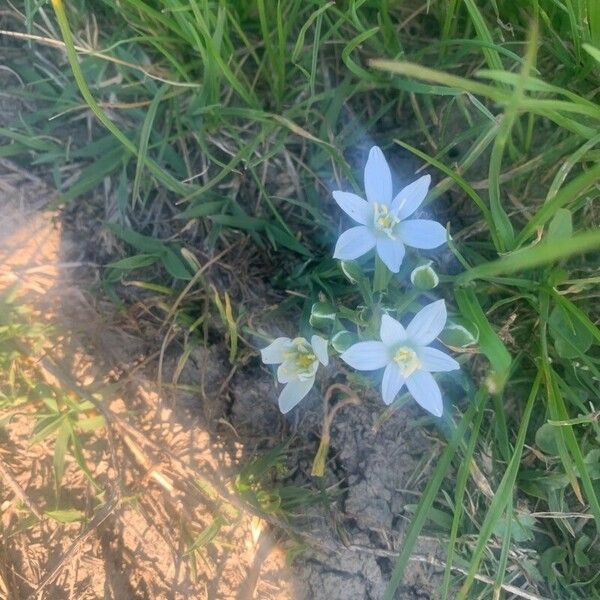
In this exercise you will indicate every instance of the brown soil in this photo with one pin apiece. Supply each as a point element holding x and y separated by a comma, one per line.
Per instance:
<point>167,456</point>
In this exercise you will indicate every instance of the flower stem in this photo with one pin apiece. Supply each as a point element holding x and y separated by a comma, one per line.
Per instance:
<point>381,276</point>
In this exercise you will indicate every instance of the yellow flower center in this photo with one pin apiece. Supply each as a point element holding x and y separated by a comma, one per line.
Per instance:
<point>305,360</point>
<point>300,360</point>
<point>384,220</point>
<point>408,361</point>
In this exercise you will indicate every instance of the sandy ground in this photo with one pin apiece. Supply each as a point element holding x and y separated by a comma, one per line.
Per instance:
<point>166,457</point>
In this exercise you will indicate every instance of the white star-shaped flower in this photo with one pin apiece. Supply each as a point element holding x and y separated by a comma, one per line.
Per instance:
<point>298,362</point>
<point>382,217</point>
<point>407,357</point>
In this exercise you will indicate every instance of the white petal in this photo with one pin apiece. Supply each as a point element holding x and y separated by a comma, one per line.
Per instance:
<point>293,392</point>
<point>422,233</point>
<point>273,353</point>
<point>319,345</point>
<point>392,383</point>
<point>360,210</point>
<point>354,243</point>
<point>287,371</point>
<point>367,356</point>
<point>426,392</point>
<point>378,178</point>
<point>391,253</point>
<point>427,324</point>
<point>391,332</point>
<point>411,197</point>
<point>435,361</point>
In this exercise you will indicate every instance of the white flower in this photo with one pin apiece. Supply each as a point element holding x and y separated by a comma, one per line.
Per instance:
<point>298,363</point>
<point>382,217</point>
<point>406,356</point>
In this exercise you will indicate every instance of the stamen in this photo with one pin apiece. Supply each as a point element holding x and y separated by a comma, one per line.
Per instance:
<point>305,360</point>
<point>384,220</point>
<point>300,359</point>
<point>408,361</point>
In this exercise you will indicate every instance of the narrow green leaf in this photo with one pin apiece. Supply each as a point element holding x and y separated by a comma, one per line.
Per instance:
<point>569,193</point>
<point>60,451</point>
<point>547,251</point>
<point>503,493</point>
<point>460,487</point>
<point>571,337</point>
<point>142,153</point>
<point>429,495</point>
<point>65,516</point>
<point>561,225</point>
<point>207,535</point>
<point>489,342</point>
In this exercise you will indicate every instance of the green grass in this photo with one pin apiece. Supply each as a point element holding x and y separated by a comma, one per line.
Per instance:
<point>236,119</point>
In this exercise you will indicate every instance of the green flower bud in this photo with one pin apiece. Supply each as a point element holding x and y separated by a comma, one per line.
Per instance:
<point>460,334</point>
<point>352,271</point>
<point>342,340</point>
<point>424,277</point>
<point>322,315</point>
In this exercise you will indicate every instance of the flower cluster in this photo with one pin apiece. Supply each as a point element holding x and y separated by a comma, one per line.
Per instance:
<point>403,353</point>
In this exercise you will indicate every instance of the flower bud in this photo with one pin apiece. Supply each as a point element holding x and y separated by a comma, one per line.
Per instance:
<point>342,340</point>
<point>460,334</point>
<point>424,277</point>
<point>352,271</point>
<point>322,315</point>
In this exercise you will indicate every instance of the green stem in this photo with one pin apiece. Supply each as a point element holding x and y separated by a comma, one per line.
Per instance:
<point>381,277</point>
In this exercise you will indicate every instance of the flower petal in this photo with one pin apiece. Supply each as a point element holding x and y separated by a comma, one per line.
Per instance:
<point>273,353</point>
<point>391,253</point>
<point>426,392</point>
<point>354,206</point>
<point>410,198</point>
<point>287,371</point>
<point>391,331</point>
<point>367,356</point>
<point>378,178</point>
<point>319,345</point>
<point>435,361</point>
<point>392,383</point>
<point>422,233</point>
<point>427,324</point>
<point>354,242</point>
<point>293,392</point>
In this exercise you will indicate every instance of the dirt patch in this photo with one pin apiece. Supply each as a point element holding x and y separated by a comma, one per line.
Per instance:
<point>167,456</point>
<point>130,543</point>
<point>374,470</point>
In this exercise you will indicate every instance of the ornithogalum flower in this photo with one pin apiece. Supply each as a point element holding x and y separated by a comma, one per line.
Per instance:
<point>407,357</point>
<point>382,217</point>
<point>298,363</point>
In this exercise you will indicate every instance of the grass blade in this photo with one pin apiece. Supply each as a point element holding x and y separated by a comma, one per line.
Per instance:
<point>168,180</point>
<point>546,252</point>
<point>503,493</point>
<point>429,495</point>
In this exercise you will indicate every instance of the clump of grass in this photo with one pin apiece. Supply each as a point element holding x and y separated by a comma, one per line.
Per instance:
<point>223,120</point>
